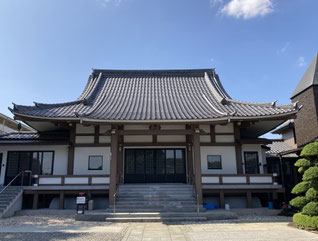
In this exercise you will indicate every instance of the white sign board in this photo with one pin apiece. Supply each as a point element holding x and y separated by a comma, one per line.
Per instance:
<point>80,200</point>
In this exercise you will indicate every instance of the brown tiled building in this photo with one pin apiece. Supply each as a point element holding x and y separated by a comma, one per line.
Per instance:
<point>306,94</point>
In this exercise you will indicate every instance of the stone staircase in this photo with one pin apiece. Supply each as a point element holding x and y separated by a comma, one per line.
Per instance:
<point>155,202</point>
<point>9,204</point>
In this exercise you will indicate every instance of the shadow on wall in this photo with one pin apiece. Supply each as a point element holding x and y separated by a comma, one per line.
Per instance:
<point>234,201</point>
<point>70,203</point>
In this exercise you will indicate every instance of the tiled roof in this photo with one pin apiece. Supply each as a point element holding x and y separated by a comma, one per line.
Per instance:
<point>34,137</point>
<point>310,78</point>
<point>278,147</point>
<point>151,95</point>
<point>289,124</point>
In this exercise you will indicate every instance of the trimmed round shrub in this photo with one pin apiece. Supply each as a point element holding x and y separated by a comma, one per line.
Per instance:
<point>310,150</point>
<point>311,209</point>
<point>303,163</point>
<point>305,221</point>
<point>311,174</point>
<point>298,202</point>
<point>312,194</point>
<point>301,188</point>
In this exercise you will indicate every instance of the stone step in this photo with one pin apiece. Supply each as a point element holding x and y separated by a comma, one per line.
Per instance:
<point>155,219</point>
<point>139,195</point>
<point>155,199</point>
<point>154,214</point>
<point>149,210</point>
<point>151,203</point>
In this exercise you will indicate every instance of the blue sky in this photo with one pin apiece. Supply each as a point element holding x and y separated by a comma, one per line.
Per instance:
<point>260,48</point>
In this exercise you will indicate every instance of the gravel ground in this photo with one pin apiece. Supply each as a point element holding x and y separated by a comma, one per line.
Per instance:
<point>60,236</point>
<point>54,225</point>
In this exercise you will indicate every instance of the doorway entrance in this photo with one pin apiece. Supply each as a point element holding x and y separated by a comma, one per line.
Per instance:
<point>155,166</point>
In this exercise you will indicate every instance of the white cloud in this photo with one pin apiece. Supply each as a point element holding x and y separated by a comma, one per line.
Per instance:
<point>105,3</point>
<point>284,48</point>
<point>301,62</point>
<point>248,8</point>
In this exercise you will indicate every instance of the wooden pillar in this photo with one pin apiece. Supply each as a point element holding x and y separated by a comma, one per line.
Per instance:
<point>120,156</point>
<point>35,200</point>
<point>238,149</point>
<point>113,166</point>
<point>197,164</point>
<point>96,135</point>
<point>222,201</point>
<point>71,150</point>
<point>61,200</point>
<point>212,133</point>
<point>189,155</point>
<point>249,199</point>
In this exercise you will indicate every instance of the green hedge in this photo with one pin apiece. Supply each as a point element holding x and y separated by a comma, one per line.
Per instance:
<point>305,221</point>
<point>310,150</point>
<point>299,202</point>
<point>301,188</point>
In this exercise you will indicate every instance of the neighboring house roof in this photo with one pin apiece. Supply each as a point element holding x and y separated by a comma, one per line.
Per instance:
<point>309,79</point>
<point>11,124</point>
<point>154,95</point>
<point>279,146</point>
<point>34,138</point>
<point>289,124</point>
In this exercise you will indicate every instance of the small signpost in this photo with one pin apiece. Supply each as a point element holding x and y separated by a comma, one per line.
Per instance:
<point>80,203</point>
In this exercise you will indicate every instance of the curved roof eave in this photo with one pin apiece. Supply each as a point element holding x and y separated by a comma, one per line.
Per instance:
<point>225,118</point>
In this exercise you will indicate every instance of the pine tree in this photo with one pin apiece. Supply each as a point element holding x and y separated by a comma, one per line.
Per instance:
<point>307,190</point>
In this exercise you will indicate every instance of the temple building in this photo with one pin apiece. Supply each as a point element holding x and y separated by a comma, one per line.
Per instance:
<point>137,129</point>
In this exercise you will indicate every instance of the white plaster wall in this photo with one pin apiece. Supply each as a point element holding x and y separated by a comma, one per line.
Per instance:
<point>227,155</point>
<point>224,138</point>
<point>104,128</point>
<point>81,160</point>
<point>173,127</point>
<point>229,128</point>
<point>60,157</point>
<point>104,139</point>
<point>84,129</point>
<point>205,128</point>
<point>171,138</point>
<point>255,148</point>
<point>84,139</point>
<point>205,138</point>
<point>5,129</point>
<point>138,138</point>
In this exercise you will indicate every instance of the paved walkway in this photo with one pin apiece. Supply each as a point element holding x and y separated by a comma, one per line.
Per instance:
<point>216,231</point>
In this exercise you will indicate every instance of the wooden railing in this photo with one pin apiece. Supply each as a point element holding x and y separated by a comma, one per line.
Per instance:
<point>239,179</point>
<point>69,180</point>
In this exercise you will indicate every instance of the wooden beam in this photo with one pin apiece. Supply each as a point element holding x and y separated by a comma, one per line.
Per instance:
<point>256,141</point>
<point>222,202</point>
<point>249,199</point>
<point>113,166</point>
<point>71,150</point>
<point>35,200</point>
<point>212,133</point>
<point>238,149</point>
<point>155,132</point>
<point>61,200</point>
<point>197,166</point>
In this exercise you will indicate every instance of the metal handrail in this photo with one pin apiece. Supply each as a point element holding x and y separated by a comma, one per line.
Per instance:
<point>9,184</point>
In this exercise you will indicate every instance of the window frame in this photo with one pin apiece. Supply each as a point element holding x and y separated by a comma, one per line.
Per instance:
<point>258,162</point>
<point>30,165</point>
<point>89,162</point>
<point>219,168</point>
